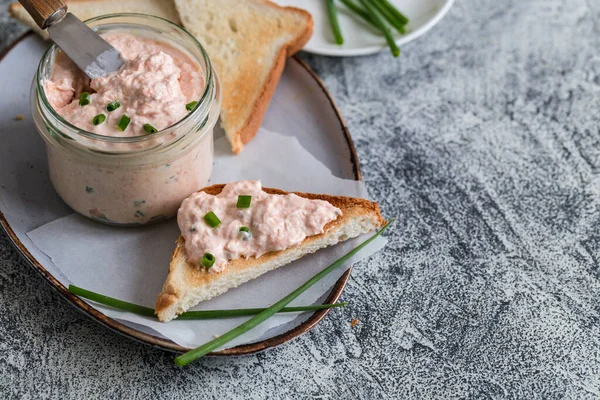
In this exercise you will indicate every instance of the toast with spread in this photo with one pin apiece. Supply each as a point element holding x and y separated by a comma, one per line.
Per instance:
<point>247,41</point>
<point>189,283</point>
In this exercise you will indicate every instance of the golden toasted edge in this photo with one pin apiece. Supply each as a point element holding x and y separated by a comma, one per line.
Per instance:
<point>255,118</point>
<point>169,295</point>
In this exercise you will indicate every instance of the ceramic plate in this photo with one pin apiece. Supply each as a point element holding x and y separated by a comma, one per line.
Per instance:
<point>28,201</point>
<point>359,38</point>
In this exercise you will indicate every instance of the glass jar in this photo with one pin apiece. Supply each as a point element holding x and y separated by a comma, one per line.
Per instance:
<point>137,179</point>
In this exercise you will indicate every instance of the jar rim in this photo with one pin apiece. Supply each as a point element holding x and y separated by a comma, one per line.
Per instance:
<point>202,103</point>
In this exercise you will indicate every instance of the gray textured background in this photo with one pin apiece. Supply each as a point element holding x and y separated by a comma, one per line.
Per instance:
<point>484,140</point>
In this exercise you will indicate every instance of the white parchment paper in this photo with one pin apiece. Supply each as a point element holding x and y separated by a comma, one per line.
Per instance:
<point>132,263</point>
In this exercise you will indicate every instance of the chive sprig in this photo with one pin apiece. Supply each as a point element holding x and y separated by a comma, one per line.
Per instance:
<point>333,21</point>
<point>202,314</point>
<point>367,4</point>
<point>377,13</point>
<point>388,14</point>
<point>358,10</point>
<point>403,19</point>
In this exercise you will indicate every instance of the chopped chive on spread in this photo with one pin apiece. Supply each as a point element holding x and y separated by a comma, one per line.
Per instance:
<point>208,260</point>
<point>138,203</point>
<point>139,214</point>
<point>84,99</point>
<point>89,189</point>
<point>244,233</point>
<point>212,220</point>
<point>113,105</point>
<point>123,122</point>
<point>244,201</point>
<point>149,128</point>
<point>191,105</point>
<point>98,119</point>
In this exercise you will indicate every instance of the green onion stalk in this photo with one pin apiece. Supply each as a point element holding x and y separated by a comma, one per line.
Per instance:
<point>389,16</point>
<point>333,21</point>
<point>202,314</point>
<point>403,19</point>
<point>382,27</point>
<point>360,12</point>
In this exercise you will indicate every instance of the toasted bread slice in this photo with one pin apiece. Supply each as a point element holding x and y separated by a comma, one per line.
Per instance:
<point>187,285</point>
<point>86,9</point>
<point>248,42</point>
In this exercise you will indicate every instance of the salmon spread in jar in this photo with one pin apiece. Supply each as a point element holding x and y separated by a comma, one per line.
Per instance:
<point>128,147</point>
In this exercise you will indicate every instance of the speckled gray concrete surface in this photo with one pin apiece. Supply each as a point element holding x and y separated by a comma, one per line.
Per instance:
<point>484,140</point>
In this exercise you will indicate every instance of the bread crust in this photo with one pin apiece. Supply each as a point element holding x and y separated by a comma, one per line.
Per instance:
<point>180,278</point>
<point>254,120</point>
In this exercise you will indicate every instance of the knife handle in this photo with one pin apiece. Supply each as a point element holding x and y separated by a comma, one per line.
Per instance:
<point>45,12</point>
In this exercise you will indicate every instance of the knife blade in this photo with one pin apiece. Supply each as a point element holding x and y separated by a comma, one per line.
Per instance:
<point>88,50</point>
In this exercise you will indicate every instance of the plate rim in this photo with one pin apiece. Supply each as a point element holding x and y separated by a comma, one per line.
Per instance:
<point>402,40</point>
<point>164,343</point>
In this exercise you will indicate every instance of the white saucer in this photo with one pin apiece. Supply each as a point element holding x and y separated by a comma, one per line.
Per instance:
<point>359,38</point>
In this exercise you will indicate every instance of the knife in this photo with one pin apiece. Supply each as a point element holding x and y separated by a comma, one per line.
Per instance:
<point>92,54</point>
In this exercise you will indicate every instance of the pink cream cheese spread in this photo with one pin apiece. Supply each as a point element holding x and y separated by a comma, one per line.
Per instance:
<point>275,222</point>
<point>153,87</point>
